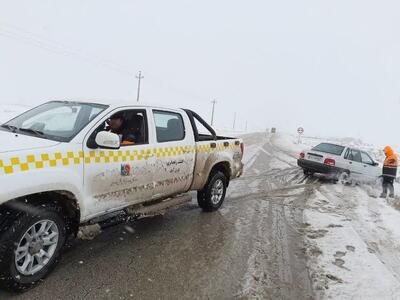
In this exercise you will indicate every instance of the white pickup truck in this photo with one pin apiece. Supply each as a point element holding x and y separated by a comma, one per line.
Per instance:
<point>66,164</point>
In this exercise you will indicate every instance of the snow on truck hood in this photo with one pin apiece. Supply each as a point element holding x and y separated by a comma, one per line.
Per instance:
<point>10,142</point>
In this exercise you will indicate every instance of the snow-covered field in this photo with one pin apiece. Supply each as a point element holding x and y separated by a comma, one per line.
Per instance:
<point>8,111</point>
<point>352,236</point>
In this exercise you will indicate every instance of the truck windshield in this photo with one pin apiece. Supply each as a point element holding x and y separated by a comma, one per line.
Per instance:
<point>57,120</point>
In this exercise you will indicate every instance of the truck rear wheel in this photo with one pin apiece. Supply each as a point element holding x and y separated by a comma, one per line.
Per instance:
<point>30,246</point>
<point>213,194</point>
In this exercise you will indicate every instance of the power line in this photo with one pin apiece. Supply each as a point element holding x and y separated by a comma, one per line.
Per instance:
<point>45,43</point>
<point>56,47</point>
<point>139,77</point>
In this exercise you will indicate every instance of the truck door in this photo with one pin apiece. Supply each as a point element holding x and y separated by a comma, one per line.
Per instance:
<point>118,178</point>
<point>175,152</point>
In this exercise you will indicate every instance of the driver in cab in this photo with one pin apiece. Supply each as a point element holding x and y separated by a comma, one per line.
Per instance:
<point>116,125</point>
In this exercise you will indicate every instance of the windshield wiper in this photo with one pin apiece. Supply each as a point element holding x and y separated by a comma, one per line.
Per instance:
<point>37,132</point>
<point>10,127</point>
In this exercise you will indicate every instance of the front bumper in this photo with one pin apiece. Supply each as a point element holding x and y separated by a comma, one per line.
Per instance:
<point>317,167</point>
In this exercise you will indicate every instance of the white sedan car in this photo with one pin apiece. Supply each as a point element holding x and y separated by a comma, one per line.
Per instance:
<point>342,162</point>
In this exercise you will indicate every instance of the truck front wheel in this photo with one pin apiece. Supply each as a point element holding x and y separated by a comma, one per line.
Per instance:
<point>213,194</point>
<point>30,246</point>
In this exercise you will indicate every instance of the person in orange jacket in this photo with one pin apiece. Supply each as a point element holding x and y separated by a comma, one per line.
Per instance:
<point>389,172</point>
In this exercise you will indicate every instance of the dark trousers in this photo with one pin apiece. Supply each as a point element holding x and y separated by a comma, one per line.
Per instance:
<point>387,184</point>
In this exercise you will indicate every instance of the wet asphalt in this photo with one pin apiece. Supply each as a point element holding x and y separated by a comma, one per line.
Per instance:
<point>250,249</point>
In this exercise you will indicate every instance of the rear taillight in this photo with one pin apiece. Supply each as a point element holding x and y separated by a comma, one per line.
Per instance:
<point>329,162</point>
<point>302,155</point>
<point>242,148</point>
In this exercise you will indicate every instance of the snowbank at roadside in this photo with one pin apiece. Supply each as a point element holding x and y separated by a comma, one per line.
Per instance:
<point>351,254</point>
<point>352,237</point>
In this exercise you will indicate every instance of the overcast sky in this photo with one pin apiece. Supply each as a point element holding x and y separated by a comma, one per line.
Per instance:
<point>330,66</point>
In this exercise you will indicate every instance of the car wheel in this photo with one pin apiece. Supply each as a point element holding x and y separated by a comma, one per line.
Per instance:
<point>308,172</point>
<point>30,247</point>
<point>213,195</point>
<point>344,177</point>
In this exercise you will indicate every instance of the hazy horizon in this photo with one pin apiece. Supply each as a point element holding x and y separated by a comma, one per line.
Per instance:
<point>331,67</point>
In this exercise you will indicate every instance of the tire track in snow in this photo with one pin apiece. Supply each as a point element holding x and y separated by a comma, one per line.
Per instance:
<point>276,265</point>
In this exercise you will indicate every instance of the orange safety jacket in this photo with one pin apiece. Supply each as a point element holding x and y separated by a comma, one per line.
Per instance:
<point>391,162</point>
<point>127,143</point>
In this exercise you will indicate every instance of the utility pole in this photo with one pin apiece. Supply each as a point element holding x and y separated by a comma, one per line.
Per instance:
<point>213,109</point>
<point>245,127</point>
<point>234,121</point>
<point>139,77</point>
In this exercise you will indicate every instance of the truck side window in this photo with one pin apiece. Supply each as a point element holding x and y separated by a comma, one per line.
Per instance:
<point>132,128</point>
<point>169,126</point>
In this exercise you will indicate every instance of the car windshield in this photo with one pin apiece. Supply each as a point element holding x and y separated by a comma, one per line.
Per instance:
<point>58,120</point>
<point>329,148</point>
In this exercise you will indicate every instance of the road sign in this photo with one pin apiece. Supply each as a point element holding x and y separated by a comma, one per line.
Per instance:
<point>300,131</point>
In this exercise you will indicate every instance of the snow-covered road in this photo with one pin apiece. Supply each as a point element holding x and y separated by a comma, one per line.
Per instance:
<point>350,237</point>
<point>279,235</point>
<point>251,249</point>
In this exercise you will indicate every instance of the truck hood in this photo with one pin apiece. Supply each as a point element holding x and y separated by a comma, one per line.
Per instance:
<point>10,142</point>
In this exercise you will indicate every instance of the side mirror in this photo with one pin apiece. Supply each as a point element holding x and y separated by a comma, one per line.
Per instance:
<point>375,164</point>
<point>108,140</point>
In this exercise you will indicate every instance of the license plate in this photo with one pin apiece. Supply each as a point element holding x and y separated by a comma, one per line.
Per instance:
<point>314,158</point>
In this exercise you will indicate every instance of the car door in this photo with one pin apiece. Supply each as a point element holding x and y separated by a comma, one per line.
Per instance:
<point>175,152</point>
<point>371,169</point>
<point>354,163</point>
<point>118,178</point>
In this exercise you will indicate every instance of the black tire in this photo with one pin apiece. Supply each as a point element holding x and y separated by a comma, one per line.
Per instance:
<point>308,172</point>
<point>204,197</point>
<point>11,235</point>
<point>344,177</point>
